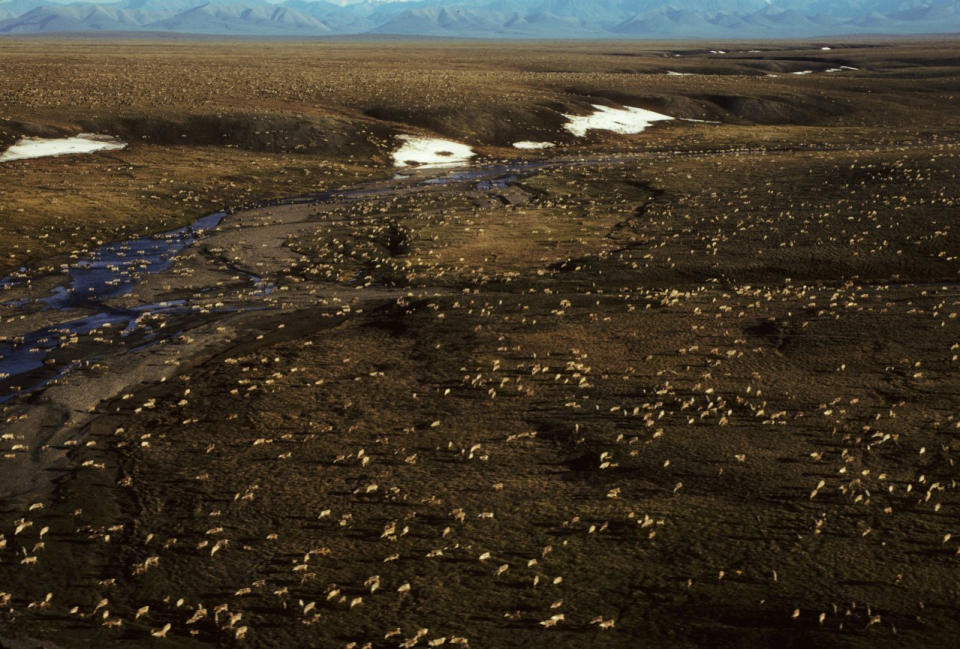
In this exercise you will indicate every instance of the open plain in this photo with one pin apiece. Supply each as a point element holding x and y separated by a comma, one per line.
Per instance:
<point>697,386</point>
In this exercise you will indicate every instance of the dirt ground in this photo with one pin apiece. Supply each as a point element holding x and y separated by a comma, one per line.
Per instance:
<point>695,387</point>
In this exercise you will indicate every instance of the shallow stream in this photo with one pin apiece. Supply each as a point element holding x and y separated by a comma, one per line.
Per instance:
<point>31,360</point>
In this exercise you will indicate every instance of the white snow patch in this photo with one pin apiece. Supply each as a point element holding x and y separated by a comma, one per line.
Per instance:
<point>34,147</point>
<point>671,73</point>
<point>533,145</point>
<point>825,48</point>
<point>431,152</point>
<point>619,120</point>
<point>803,72</point>
<point>848,67</point>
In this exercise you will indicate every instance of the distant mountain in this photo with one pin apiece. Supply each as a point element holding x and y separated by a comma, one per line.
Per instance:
<point>166,7</point>
<point>442,22</point>
<point>19,7</point>
<point>490,18</point>
<point>240,20</point>
<point>487,23</point>
<point>548,25</point>
<point>62,19</point>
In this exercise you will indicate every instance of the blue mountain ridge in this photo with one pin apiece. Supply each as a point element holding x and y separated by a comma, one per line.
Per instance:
<point>489,18</point>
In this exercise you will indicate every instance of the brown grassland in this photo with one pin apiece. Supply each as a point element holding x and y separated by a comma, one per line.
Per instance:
<point>694,387</point>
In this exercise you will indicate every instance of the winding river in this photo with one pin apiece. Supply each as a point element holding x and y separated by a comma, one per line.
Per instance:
<point>83,309</point>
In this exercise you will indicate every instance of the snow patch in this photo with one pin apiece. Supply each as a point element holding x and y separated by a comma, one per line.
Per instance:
<point>431,152</point>
<point>533,145</point>
<point>33,147</point>
<point>671,73</point>
<point>619,120</point>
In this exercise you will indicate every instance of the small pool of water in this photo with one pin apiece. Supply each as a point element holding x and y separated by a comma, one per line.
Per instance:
<point>114,269</point>
<point>110,271</point>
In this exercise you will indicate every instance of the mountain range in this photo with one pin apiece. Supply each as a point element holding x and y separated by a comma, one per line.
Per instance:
<point>489,18</point>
